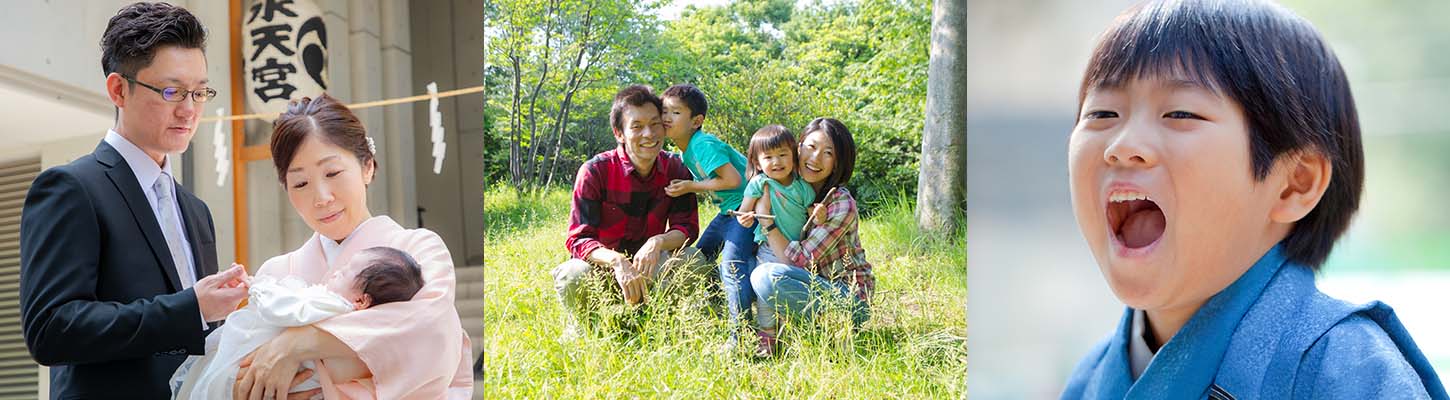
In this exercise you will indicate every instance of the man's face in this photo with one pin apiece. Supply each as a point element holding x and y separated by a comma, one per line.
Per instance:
<point>1163,192</point>
<point>678,122</point>
<point>642,135</point>
<point>155,125</point>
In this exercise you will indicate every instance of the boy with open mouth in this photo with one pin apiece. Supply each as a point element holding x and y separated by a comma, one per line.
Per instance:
<point>1215,161</point>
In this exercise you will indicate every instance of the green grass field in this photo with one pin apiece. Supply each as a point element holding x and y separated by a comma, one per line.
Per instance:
<point>913,347</point>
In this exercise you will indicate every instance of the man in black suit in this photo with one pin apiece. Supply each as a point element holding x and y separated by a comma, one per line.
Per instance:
<point>118,276</point>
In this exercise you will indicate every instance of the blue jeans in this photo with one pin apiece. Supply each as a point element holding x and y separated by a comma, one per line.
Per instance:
<point>797,293</point>
<point>735,245</point>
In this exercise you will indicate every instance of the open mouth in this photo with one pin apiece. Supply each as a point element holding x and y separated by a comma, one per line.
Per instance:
<point>812,168</point>
<point>649,144</point>
<point>1135,219</point>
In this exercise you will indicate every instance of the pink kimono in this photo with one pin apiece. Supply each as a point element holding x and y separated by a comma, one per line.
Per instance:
<point>416,349</point>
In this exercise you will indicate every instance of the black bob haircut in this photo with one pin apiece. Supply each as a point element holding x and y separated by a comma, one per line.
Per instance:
<point>1275,66</point>
<point>136,31</point>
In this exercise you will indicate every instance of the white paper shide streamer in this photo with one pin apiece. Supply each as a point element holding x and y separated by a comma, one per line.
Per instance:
<point>435,120</point>
<point>219,146</point>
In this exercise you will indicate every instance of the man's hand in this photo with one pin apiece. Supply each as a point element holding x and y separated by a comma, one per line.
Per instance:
<point>680,187</point>
<point>648,257</point>
<point>219,294</point>
<point>630,283</point>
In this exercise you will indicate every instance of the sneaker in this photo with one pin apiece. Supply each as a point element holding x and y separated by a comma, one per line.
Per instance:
<point>766,345</point>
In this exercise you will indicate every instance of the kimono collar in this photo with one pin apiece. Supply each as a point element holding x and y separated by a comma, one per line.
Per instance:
<point>1187,364</point>
<point>365,235</point>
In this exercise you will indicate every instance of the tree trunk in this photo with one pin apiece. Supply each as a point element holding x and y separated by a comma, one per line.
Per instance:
<point>941,189</point>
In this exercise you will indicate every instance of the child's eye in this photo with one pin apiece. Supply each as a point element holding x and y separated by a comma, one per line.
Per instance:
<point>299,185</point>
<point>1181,115</point>
<point>1100,114</point>
<point>332,174</point>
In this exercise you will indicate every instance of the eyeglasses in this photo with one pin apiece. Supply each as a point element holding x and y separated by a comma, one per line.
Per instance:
<point>175,94</point>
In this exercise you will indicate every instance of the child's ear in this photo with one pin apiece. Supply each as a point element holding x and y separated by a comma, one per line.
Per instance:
<point>363,302</point>
<point>698,121</point>
<point>1306,179</point>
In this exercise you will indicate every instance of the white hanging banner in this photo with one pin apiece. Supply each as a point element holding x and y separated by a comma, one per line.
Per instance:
<point>219,150</point>
<point>285,53</point>
<point>435,121</point>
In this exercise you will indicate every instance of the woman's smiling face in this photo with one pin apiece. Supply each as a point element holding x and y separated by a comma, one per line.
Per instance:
<point>817,157</point>
<point>1163,191</point>
<point>328,187</point>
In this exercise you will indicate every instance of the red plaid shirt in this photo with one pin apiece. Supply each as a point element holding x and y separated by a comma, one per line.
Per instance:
<point>615,208</point>
<point>832,248</point>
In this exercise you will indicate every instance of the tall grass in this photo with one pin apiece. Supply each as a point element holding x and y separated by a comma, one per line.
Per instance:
<point>914,346</point>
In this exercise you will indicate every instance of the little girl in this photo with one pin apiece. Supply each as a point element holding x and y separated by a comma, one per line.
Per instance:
<point>772,162</point>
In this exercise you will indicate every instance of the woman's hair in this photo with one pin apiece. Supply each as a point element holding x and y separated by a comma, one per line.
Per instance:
<point>324,116</point>
<point>136,31</point>
<point>770,137</point>
<point>1270,62</point>
<point>845,146</point>
<point>391,276</point>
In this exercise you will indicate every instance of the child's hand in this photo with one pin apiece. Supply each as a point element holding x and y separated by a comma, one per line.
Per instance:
<point>745,219</point>
<point>680,187</point>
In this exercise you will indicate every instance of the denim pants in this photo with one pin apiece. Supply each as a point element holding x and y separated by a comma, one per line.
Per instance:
<point>735,245</point>
<point>794,292</point>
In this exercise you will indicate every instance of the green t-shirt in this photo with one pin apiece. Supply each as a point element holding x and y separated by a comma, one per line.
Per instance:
<point>704,155</point>
<point>788,204</point>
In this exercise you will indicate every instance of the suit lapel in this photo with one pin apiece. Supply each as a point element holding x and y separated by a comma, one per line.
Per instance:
<point>125,182</point>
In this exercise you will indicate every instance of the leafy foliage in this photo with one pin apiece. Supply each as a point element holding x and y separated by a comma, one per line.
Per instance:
<point>760,62</point>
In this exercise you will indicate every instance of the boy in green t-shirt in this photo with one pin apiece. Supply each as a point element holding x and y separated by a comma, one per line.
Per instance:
<point>719,170</point>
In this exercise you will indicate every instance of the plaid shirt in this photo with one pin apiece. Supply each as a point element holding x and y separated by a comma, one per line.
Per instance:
<point>832,248</point>
<point>615,208</point>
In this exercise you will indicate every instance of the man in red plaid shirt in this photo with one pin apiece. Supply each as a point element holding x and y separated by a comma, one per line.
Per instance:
<point>621,220</point>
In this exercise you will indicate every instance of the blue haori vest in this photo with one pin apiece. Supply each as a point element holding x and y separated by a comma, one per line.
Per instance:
<point>1269,335</point>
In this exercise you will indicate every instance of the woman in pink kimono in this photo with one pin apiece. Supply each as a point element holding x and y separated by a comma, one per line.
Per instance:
<point>414,349</point>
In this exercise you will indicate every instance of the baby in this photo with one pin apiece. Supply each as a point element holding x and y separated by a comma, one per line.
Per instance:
<point>373,277</point>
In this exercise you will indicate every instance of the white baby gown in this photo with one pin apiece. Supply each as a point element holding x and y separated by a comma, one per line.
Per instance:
<point>273,306</point>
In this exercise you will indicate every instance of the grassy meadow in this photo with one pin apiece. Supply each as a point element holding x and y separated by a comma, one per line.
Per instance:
<point>913,347</point>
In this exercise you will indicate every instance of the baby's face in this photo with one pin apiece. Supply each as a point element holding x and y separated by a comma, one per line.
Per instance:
<point>1164,193</point>
<point>344,281</point>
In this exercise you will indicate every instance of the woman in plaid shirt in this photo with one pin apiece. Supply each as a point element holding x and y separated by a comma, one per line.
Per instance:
<point>827,266</point>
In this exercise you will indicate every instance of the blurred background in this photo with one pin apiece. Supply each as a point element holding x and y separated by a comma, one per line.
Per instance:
<point>1037,301</point>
